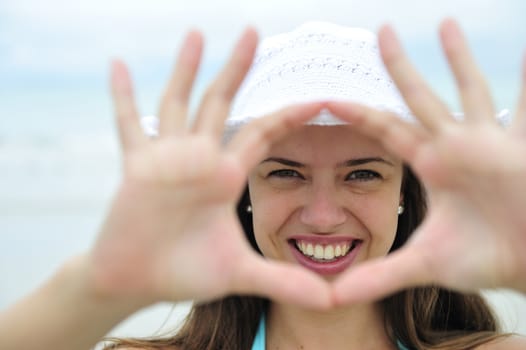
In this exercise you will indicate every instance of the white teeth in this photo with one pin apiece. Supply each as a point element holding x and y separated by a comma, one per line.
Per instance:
<point>318,251</point>
<point>337,251</point>
<point>327,252</point>
<point>309,251</point>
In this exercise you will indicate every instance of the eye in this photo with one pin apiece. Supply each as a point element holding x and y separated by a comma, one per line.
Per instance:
<point>285,173</point>
<point>363,175</point>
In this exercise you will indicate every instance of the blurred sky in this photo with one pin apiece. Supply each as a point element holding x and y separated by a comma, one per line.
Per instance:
<point>59,44</point>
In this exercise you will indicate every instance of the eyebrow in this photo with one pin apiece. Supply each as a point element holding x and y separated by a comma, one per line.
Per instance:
<point>284,161</point>
<point>360,161</point>
<point>347,163</point>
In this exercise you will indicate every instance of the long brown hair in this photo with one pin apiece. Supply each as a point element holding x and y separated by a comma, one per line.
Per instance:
<point>418,318</point>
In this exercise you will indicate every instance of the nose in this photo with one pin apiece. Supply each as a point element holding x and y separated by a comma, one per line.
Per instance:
<point>322,211</point>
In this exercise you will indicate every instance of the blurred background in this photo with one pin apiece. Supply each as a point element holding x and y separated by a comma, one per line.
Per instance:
<point>59,159</point>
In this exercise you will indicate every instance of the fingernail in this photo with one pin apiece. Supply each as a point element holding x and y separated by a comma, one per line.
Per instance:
<point>388,40</point>
<point>249,37</point>
<point>451,34</point>
<point>192,43</point>
<point>119,74</point>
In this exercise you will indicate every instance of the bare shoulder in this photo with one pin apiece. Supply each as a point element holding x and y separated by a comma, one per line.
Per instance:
<point>513,342</point>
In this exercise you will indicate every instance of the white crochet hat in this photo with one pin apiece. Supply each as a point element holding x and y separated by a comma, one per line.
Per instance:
<point>316,62</point>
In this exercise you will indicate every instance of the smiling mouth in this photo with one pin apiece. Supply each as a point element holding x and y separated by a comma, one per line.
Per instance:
<point>325,253</point>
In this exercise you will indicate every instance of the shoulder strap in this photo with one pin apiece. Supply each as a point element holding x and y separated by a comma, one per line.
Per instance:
<point>259,340</point>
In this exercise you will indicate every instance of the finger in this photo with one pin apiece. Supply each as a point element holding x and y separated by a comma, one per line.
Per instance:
<point>254,140</point>
<point>131,134</point>
<point>474,91</point>
<point>174,106</point>
<point>397,136</point>
<point>376,279</point>
<point>283,283</point>
<point>519,120</point>
<point>215,106</point>
<point>425,105</point>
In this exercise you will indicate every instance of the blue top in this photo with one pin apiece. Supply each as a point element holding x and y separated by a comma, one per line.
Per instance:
<point>259,340</point>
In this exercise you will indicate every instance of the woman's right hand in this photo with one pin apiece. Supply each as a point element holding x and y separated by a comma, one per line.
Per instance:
<point>172,232</point>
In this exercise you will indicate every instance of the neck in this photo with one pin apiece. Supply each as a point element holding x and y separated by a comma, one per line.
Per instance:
<point>356,327</point>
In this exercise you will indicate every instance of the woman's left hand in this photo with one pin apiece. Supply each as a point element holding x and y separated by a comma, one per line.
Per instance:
<point>474,234</point>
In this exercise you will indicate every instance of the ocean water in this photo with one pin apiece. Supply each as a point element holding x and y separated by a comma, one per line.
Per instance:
<point>59,167</point>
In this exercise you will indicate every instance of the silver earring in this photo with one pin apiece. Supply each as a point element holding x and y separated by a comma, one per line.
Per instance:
<point>249,209</point>
<point>400,209</point>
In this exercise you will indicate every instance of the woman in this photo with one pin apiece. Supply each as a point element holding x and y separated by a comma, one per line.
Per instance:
<point>320,200</point>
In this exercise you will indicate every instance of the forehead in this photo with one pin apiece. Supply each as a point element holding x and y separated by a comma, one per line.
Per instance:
<point>322,144</point>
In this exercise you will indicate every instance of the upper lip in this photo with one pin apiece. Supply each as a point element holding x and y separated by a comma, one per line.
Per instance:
<point>323,239</point>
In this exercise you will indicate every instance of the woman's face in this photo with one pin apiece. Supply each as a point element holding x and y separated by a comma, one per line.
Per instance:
<point>326,197</point>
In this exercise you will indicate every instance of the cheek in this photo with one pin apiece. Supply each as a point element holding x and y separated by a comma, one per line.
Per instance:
<point>380,217</point>
<point>270,211</point>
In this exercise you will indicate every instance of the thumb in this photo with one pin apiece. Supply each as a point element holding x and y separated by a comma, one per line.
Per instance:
<point>282,282</point>
<point>375,279</point>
